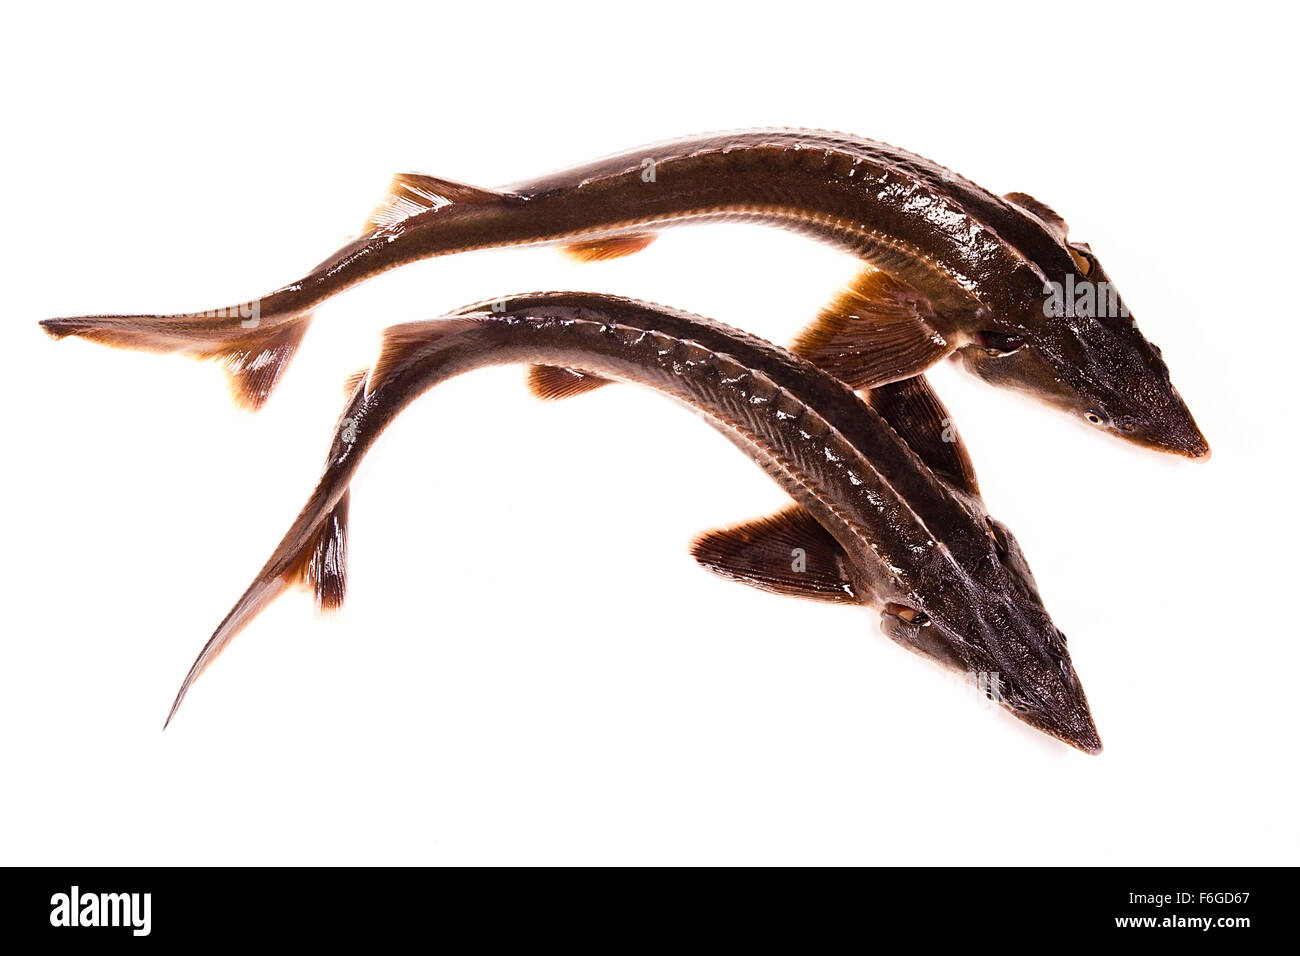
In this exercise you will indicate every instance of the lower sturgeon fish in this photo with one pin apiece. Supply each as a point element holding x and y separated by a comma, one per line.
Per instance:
<point>886,507</point>
<point>955,270</point>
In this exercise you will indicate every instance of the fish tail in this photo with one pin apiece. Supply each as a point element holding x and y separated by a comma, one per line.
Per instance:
<point>253,342</point>
<point>312,555</point>
<point>316,560</point>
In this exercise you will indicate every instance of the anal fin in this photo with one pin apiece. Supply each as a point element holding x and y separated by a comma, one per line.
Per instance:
<point>786,553</point>
<point>552,382</point>
<point>608,247</point>
<point>876,330</point>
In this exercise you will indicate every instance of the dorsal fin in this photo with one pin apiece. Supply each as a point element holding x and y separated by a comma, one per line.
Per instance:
<point>553,382</point>
<point>786,553</point>
<point>410,194</point>
<point>876,330</point>
<point>352,381</point>
<point>914,411</point>
<point>1044,213</point>
<point>402,341</point>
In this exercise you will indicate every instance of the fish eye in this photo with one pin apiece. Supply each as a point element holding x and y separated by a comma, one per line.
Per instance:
<point>1094,417</point>
<point>998,343</point>
<point>1082,260</point>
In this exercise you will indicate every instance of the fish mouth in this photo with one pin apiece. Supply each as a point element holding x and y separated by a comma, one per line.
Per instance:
<point>908,615</point>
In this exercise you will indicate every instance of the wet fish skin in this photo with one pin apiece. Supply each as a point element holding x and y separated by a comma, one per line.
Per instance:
<point>1107,369</point>
<point>976,262</point>
<point>896,534</point>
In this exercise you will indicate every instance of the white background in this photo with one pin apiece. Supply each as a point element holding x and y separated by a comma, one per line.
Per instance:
<point>530,668</point>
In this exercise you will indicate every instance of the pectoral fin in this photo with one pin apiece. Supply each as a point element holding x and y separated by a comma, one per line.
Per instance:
<point>876,330</point>
<point>920,419</point>
<point>786,553</point>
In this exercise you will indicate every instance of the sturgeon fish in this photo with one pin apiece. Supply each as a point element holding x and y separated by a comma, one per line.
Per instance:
<point>954,270</point>
<point>886,508</point>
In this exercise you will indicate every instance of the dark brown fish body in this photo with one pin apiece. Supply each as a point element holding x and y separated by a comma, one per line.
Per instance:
<point>954,267</point>
<point>887,513</point>
<point>859,195</point>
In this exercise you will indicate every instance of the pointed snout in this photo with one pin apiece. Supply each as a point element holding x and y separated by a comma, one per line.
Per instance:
<point>1192,443</point>
<point>1070,718</point>
<point>1187,441</point>
<point>1058,704</point>
<point>1171,430</point>
<point>1084,736</point>
<point>1073,726</point>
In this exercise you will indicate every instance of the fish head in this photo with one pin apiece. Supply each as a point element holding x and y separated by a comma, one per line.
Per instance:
<point>993,628</point>
<point>1078,349</point>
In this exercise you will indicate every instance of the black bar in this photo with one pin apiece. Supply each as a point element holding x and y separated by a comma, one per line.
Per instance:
<point>1003,907</point>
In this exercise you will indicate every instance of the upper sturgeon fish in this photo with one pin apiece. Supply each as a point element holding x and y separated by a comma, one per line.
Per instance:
<point>886,508</point>
<point>955,269</point>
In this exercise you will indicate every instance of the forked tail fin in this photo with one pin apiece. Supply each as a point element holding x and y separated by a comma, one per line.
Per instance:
<point>319,564</point>
<point>313,555</point>
<point>253,347</point>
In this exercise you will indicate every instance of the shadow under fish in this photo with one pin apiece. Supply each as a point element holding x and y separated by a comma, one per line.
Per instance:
<point>886,510</point>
